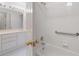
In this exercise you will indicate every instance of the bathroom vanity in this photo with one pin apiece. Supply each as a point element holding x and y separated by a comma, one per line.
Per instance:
<point>13,33</point>
<point>10,40</point>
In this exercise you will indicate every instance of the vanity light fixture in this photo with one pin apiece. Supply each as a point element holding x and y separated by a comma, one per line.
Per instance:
<point>13,8</point>
<point>43,3</point>
<point>0,4</point>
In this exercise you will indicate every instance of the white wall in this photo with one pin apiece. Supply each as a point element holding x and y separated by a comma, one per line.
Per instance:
<point>29,21</point>
<point>60,17</point>
<point>29,15</point>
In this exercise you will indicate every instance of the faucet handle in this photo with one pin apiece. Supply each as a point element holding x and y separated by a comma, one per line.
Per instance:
<point>77,34</point>
<point>41,38</point>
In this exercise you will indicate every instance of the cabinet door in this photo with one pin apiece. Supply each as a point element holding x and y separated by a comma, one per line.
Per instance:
<point>8,42</point>
<point>8,45</point>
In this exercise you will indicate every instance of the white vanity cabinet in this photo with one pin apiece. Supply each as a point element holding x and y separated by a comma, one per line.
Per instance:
<point>8,42</point>
<point>12,41</point>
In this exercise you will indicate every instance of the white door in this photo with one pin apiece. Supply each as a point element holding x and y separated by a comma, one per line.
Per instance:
<point>39,18</point>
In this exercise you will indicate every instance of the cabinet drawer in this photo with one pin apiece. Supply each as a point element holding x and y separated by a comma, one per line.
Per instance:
<point>9,45</point>
<point>6,40</point>
<point>8,35</point>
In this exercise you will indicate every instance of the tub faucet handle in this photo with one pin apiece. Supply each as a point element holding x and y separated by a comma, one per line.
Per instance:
<point>77,34</point>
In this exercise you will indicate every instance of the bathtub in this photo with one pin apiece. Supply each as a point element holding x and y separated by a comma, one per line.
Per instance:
<point>52,50</point>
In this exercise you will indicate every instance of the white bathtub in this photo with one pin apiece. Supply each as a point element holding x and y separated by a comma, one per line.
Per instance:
<point>51,50</point>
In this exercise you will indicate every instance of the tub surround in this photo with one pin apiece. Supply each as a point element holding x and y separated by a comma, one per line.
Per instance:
<point>57,16</point>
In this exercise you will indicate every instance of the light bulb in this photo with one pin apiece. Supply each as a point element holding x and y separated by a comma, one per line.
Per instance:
<point>69,4</point>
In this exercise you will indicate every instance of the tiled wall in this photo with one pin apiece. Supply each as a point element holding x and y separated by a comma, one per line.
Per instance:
<point>60,17</point>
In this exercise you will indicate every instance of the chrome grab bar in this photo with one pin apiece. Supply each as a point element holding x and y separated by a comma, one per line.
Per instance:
<point>69,34</point>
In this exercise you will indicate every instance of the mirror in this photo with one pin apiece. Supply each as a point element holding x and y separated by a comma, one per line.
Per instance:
<point>16,21</point>
<point>2,20</point>
<point>11,20</point>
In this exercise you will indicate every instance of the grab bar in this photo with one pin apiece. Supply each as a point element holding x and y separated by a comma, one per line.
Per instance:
<point>69,34</point>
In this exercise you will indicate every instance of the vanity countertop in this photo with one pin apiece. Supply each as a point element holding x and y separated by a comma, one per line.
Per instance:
<point>13,31</point>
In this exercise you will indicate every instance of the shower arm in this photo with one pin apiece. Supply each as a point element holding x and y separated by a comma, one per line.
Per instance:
<point>69,34</point>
